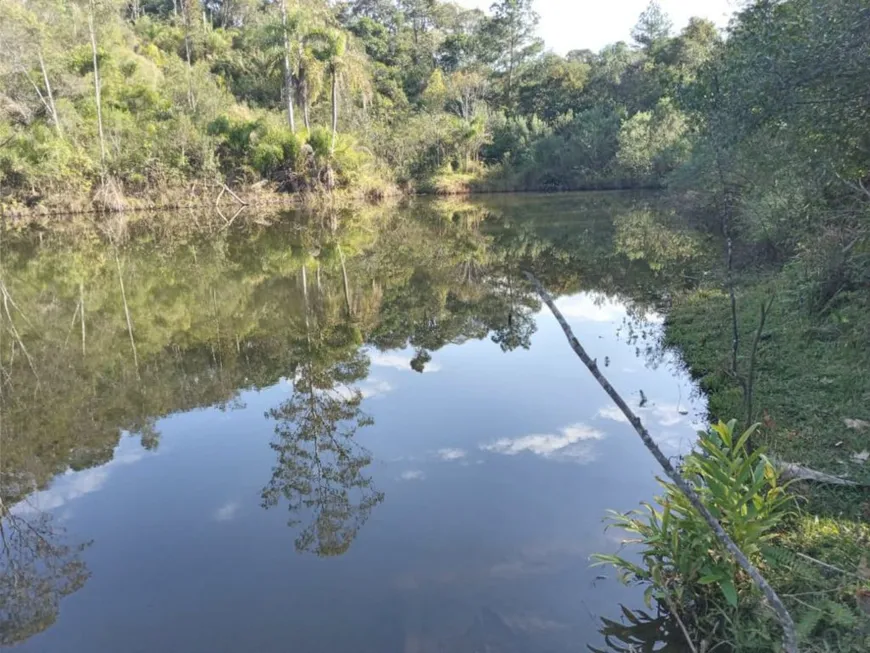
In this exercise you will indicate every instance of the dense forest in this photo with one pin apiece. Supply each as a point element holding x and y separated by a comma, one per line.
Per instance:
<point>105,100</point>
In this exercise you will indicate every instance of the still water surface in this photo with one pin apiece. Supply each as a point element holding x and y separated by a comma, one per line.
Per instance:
<point>337,433</point>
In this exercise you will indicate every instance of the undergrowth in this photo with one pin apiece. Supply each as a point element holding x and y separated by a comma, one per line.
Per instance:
<point>812,398</point>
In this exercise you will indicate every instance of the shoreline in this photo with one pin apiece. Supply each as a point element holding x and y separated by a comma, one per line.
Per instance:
<point>262,195</point>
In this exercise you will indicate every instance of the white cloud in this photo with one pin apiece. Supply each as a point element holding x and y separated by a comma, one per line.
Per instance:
<point>612,412</point>
<point>66,488</point>
<point>72,485</point>
<point>451,454</point>
<point>412,475</point>
<point>374,388</point>
<point>227,511</point>
<point>572,443</point>
<point>369,388</point>
<point>400,362</point>
<point>661,414</point>
<point>667,415</point>
<point>591,308</point>
<point>659,419</point>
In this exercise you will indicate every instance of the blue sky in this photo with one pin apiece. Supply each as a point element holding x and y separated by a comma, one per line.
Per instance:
<point>575,24</point>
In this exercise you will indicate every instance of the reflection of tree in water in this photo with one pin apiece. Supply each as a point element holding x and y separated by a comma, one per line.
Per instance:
<point>211,317</point>
<point>320,467</point>
<point>640,632</point>
<point>37,569</point>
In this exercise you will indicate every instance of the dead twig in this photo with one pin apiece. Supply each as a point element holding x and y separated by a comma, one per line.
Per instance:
<point>859,186</point>
<point>234,196</point>
<point>794,472</point>
<point>228,223</point>
<point>681,624</point>
<point>789,634</point>
<point>825,565</point>
<point>750,381</point>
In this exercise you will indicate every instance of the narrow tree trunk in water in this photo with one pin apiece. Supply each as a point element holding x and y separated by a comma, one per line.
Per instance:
<point>334,109</point>
<point>305,298</point>
<point>82,313</point>
<point>97,93</point>
<point>51,104</point>
<point>127,314</point>
<point>288,77</point>
<point>346,284</point>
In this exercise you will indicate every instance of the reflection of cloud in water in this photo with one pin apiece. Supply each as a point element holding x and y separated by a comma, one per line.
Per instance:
<point>369,389</point>
<point>227,511</point>
<point>660,419</point>
<point>399,362</point>
<point>673,442</point>
<point>451,454</point>
<point>591,307</point>
<point>596,307</point>
<point>72,485</point>
<point>412,475</point>
<point>374,388</point>
<point>659,414</point>
<point>534,559</point>
<point>613,413</point>
<point>572,443</point>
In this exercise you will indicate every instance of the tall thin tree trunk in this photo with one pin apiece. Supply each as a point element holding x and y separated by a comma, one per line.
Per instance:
<point>39,94</point>
<point>127,314</point>
<point>305,297</point>
<point>51,104</point>
<point>334,110</point>
<point>82,313</point>
<point>346,284</point>
<point>191,100</point>
<point>306,117</point>
<point>97,90</point>
<point>288,76</point>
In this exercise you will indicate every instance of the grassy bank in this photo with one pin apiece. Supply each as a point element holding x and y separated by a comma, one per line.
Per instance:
<point>195,196</point>
<point>812,395</point>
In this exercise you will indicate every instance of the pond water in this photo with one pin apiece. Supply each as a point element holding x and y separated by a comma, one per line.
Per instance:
<point>356,431</point>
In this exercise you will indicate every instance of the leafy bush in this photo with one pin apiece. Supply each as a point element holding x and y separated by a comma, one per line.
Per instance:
<point>683,562</point>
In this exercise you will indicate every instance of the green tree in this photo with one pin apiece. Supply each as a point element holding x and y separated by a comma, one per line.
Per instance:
<point>511,33</point>
<point>329,47</point>
<point>653,27</point>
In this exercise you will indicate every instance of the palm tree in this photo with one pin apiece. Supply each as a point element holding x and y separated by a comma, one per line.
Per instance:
<point>329,47</point>
<point>286,28</point>
<point>308,77</point>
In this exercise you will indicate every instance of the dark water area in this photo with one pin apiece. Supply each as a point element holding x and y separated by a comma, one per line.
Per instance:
<point>335,432</point>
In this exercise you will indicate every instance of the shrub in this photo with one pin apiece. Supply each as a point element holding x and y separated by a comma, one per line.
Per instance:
<point>683,562</point>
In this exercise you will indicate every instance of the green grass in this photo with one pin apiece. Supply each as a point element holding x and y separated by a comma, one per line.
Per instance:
<point>812,373</point>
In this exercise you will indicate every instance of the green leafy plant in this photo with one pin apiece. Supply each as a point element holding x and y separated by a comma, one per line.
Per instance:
<point>682,562</point>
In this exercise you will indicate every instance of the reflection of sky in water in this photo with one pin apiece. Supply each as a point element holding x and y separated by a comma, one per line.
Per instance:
<point>497,470</point>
